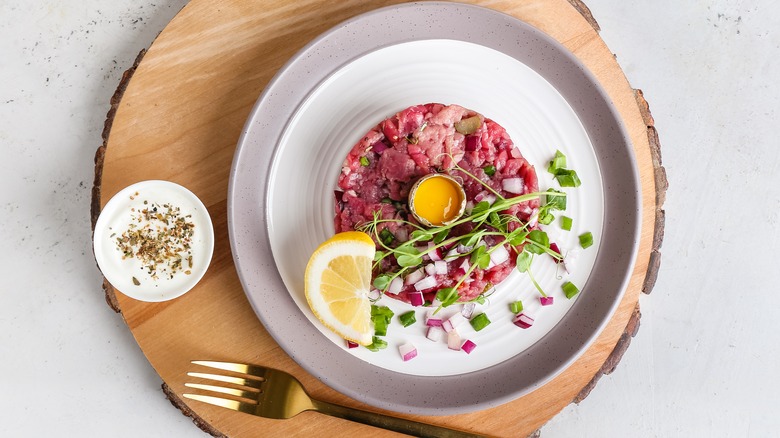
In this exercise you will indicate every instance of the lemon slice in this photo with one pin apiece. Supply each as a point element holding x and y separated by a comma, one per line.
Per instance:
<point>337,282</point>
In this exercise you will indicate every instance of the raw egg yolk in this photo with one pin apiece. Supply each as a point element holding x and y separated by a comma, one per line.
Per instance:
<point>437,200</point>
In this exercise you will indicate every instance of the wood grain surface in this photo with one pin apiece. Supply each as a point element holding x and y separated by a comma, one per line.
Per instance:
<point>177,116</point>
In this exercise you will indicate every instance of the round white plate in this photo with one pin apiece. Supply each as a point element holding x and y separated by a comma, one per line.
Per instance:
<point>114,220</point>
<point>352,77</point>
<point>361,94</point>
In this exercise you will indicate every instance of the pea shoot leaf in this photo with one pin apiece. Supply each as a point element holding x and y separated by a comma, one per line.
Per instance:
<point>524,260</point>
<point>408,260</point>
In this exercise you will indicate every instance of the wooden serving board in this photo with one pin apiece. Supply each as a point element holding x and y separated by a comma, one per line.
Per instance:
<point>177,115</point>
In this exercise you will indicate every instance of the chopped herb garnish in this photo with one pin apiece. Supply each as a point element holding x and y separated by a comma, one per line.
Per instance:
<point>566,223</point>
<point>545,218</point>
<point>480,321</point>
<point>555,200</point>
<point>569,289</point>
<point>136,282</point>
<point>377,344</point>
<point>567,178</point>
<point>364,161</point>
<point>586,239</point>
<point>516,307</point>
<point>381,316</point>
<point>386,236</point>
<point>558,162</point>
<point>407,318</point>
<point>489,170</point>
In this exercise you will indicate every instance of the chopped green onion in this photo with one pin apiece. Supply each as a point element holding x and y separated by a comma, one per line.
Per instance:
<point>586,239</point>
<point>377,344</point>
<point>567,178</point>
<point>364,161</point>
<point>555,201</point>
<point>566,223</point>
<point>545,218</point>
<point>516,307</point>
<point>569,289</point>
<point>480,321</point>
<point>386,236</point>
<point>380,316</point>
<point>558,162</point>
<point>407,318</point>
<point>489,170</point>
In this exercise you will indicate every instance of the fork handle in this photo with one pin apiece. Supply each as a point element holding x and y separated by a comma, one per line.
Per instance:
<point>388,422</point>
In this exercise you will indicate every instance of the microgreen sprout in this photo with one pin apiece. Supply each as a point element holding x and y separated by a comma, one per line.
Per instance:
<point>487,220</point>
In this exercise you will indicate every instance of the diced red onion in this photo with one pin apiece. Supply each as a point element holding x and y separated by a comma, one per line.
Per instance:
<point>440,267</point>
<point>513,185</point>
<point>523,321</point>
<point>453,340</point>
<point>546,301</point>
<point>435,333</point>
<point>351,344</point>
<point>515,152</point>
<point>469,207</point>
<point>430,269</point>
<point>395,286</point>
<point>486,196</point>
<point>432,320</point>
<point>468,309</point>
<point>434,254</point>
<point>453,322</point>
<point>414,276</point>
<point>379,147</point>
<point>452,254</point>
<point>571,259</point>
<point>499,255</point>
<point>408,351</point>
<point>415,298</point>
<point>468,346</point>
<point>374,294</point>
<point>464,266</point>
<point>472,143</point>
<point>534,218</point>
<point>554,247</point>
<point>426,283</point>
<point>402,234</point>
<point>463,249</point>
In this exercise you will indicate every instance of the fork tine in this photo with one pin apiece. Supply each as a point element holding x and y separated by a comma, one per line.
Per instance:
<point>230,391</point>
<point>252,383</point>
<point>248,408</point>
<point>251,370</point>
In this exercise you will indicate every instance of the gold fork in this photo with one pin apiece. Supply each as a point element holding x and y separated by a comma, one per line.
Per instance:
<point>272,393</point>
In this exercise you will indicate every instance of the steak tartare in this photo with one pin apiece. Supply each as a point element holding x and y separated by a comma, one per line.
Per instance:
<point>382,167</point>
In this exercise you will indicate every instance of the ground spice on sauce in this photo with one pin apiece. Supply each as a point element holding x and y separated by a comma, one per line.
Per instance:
<point>160,237</point>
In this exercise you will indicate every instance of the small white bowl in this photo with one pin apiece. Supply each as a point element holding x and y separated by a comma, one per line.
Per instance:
<point>128,274</point>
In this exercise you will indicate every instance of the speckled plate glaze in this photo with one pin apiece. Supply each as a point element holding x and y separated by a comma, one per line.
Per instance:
<point>262,167</point>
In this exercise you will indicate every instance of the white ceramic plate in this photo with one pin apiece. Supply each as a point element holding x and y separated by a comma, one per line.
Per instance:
<point>350,78</point>
<point>115,219</point>
<point>375,86</point>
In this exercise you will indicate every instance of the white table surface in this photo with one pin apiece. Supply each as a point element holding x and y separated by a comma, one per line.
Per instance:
<point>705,361</point>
